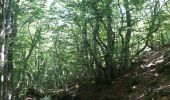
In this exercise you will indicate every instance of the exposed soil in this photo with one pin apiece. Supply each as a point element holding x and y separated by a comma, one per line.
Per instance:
<point>148,80</point>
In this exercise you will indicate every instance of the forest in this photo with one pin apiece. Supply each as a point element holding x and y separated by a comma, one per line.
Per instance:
<point>84,49</point>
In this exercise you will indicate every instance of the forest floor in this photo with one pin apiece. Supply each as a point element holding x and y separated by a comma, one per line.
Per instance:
<point>148,80</point>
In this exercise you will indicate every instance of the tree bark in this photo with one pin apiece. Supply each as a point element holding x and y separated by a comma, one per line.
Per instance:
<point>7,30</point>
<point>126,49</point>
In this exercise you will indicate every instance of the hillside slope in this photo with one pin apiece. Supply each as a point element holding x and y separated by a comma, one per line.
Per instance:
<point>148,80</point>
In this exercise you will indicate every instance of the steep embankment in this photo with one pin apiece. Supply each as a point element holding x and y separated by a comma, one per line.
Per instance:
<point>148,80</point>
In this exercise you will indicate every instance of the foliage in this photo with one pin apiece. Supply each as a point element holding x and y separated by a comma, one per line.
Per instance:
<point>74,39</point>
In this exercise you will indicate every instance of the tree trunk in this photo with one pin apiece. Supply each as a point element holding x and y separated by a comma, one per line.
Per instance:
<point>7,30</point>
<point>110,46</point>
<point>126,55</point>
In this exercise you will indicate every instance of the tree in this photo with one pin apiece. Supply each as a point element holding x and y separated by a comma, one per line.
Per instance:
<point>8,31</point>
<point>48,47</point>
